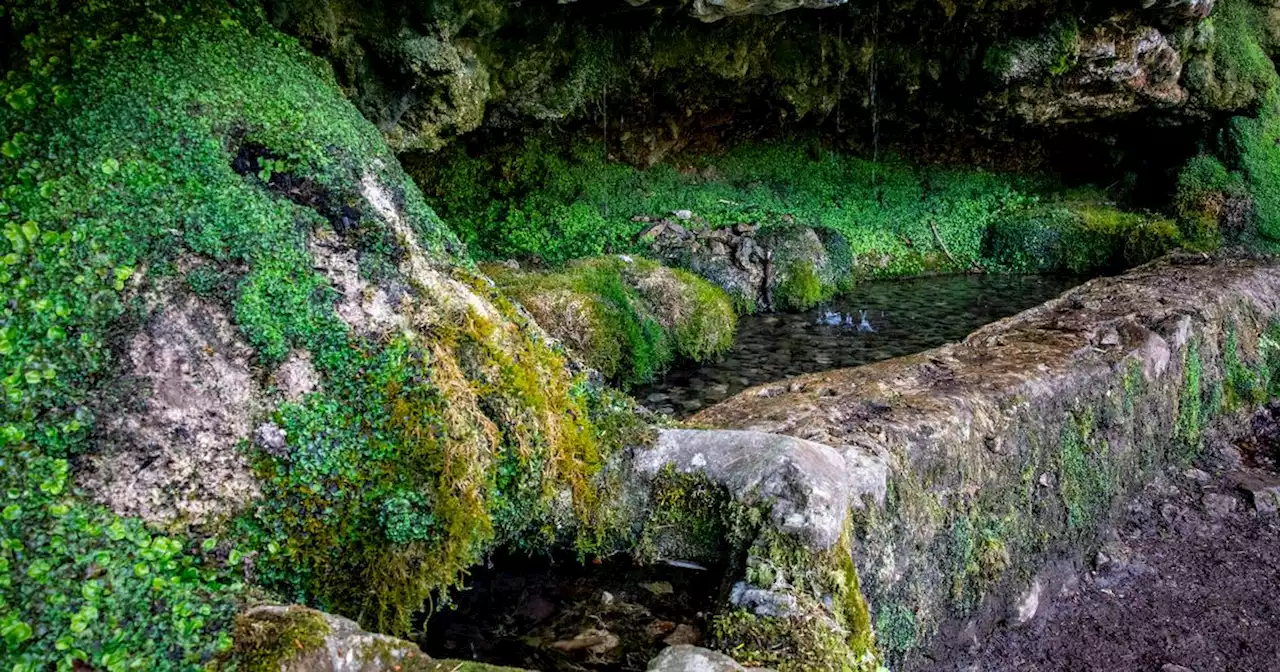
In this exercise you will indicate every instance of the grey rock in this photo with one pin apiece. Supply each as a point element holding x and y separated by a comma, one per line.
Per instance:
<point>1263,492</point>
<point>345,646</point>
<point>296,376</point>
<point>170,453</point>
<point>1027,606</point>
<point>1198,475</point>
<point>688,658</point>
<point>763,602</point>
<point>1218,505</point>
<point>271,438</point>
<point>807,483</point>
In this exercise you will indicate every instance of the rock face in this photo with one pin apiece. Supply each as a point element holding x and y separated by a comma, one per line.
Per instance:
<point>1105,71</point>
<point>186,398</point>
<point>1016,441</point>
<point>783,268</point>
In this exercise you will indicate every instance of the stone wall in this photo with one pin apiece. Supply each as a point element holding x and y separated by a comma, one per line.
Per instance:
<point>1008,450</point>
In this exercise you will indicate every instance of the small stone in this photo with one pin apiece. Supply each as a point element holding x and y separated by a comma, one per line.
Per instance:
<point>684,634</point>
<point>1110,338</point>
<point>1027,607</point>
<point>272,439</point>
<point>1218,505</point>
<point>1197,475</point>
<point>683,214</point>
<point>686,658</point>
<point>606,597</point>
<point>1045,480</point>
<point>658,629</point>
<point>1263,492</point>
<point>761,602</point>
<point>1170,667</point>
<point>592,639</point>
<point>658,588</point>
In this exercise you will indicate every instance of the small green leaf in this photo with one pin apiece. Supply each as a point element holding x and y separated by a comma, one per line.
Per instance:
<point>110,166</point>
<point>15,633</point>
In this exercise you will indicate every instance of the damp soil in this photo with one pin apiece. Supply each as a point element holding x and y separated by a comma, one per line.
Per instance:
<point>879,320</point>
<point>1189,580</point>
<point>564,616</point>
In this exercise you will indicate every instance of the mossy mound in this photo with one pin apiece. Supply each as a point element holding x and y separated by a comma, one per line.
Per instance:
<point>628,318</point>
<point>1078,235</point>
<point>199,153</point>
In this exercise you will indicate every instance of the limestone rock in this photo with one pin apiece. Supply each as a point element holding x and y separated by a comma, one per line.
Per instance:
<point>760,271</point>
<point>1038,374</point>
<point>169,451</point>
<point>807,483</point>
<point>688,658</point>
<point>298,639</point>
<point>1111,71</point>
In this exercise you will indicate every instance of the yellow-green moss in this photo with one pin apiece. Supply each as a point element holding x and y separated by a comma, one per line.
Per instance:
<point>627,318</point>
<point>265,641</point>
<point>801,289</point>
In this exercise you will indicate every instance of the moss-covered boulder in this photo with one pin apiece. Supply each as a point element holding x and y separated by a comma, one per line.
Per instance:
<point>272,638</point>
<point>229,314</point>
<point>1010,449</point>
<point>626,317</point>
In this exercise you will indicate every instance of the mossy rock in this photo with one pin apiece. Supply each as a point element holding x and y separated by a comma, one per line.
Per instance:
<point>1078,236</point>
<point>201,158</point>
<point>626,317</point>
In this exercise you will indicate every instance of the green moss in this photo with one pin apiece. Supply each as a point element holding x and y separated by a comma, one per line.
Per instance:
<point>1244,387</point>
<point>1235,73</point>
<point>1190,418</point>
<point>1078,234</point>
<point>897,629</point>
<point>627,318</point>
<point>1205,187</point>
<point>264,642</point>
<point>801,289</point>
<point>1259,160</point>
<point>1087,476</point>
<point>689,518</point>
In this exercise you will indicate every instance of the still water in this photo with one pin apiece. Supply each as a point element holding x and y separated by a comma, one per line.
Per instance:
<point>879,320</point>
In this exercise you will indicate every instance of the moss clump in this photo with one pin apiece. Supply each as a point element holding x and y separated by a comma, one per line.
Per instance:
<point>813,637</point>
<point>1206,195</point>
<point>1051,53</point>
<point>627,318</point>
<point>1087,478</point>
<point>1189,425</point>
<point>802,289</point>
<point>1245,387</point>
<point>1235,72</point>
<point>266,641</point>
<point>1254,140</point>
<point>1078,234</point>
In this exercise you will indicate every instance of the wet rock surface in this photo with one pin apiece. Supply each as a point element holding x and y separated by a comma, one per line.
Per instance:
<point>1188,581</point>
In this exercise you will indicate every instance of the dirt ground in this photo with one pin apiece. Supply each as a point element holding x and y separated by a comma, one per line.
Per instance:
<point>1187,580</point>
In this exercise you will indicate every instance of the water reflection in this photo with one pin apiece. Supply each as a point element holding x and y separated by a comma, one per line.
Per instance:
<point>879,320</point>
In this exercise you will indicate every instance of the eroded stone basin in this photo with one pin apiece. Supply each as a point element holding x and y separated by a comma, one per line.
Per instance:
<point>879,320</point>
